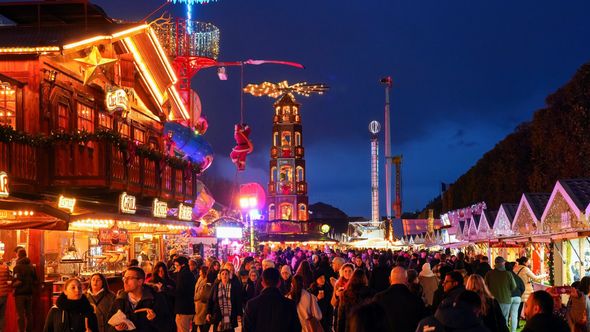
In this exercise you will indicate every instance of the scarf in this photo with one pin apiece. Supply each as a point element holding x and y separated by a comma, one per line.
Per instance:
<point>81,305</point>
<point>224,298</point>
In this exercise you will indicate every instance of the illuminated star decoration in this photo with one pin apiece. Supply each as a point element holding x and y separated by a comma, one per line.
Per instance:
<point>92,62</point>
<point>275,90</point>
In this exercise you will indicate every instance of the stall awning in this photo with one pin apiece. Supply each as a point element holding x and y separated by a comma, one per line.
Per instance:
<point>15,214</point>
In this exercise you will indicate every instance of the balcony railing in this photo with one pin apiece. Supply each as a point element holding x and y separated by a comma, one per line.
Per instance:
<point>106,165</point>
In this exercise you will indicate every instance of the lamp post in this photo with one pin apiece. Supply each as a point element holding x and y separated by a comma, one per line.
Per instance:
<point>249,205</point>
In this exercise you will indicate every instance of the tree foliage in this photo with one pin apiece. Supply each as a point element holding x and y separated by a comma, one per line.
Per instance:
<point>554,145</point>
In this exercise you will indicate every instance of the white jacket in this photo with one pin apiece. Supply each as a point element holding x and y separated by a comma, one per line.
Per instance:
<point>307,307</point>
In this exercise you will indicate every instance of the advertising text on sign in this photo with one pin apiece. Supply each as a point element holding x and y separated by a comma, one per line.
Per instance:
<point>127,203</point>
<point>160,209</point>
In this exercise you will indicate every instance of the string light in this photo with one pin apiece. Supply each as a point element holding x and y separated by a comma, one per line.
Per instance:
<point>191,2</point>
<point>275,90</point>
<point>38,49</point>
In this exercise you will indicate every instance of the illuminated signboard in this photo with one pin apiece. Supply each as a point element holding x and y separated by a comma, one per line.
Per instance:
<point>3,184</point>
<point>127,203</point>
<point>185,212</point>
<point>117,100</point>
<point>159,209</point>
<point>66,203</point>
<point>228,232</point>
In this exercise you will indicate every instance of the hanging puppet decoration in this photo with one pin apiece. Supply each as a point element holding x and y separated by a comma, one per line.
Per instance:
<point>243,146</point>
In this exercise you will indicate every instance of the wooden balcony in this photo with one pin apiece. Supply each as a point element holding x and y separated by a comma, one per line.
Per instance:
<point>103,165</point>
<point>20,162</point>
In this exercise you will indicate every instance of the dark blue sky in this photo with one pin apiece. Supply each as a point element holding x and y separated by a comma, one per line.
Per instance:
<point>465,73</point>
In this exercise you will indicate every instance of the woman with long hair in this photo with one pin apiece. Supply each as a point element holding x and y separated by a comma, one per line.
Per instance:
<point>214,268</point>
<point>490,312</point>
<point>101,298</point>
<point>304,270</point>
<point>225,303</point>
<point>162,282</point>
<point>307,304</point>
<point>72,311</point>
<point>202,294</point>
<point>250,286</point>
<point>356,292</point>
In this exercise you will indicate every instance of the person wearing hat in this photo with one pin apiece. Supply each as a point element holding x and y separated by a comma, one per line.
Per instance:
<point>323,291</point>
<point>501,284</point>
<point>429,283</point>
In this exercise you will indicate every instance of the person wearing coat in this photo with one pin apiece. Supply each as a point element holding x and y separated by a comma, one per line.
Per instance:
<point>403,308</point>
<point>72,312</point>
<point>142,304</point>
<point>356,291</point>
<point>225,303</point>
<point>323,290</point>
<point>202,294</point>
<point>184,304</point>
<point>307,304</point>
<point>527,276</point>
<point>101,298</point>
<point>429,283</point>
<point>271,311</point>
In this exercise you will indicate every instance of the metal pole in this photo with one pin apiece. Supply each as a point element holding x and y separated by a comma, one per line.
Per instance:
<point>388,201</point>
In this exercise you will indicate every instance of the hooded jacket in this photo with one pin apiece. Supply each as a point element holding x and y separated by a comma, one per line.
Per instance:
<point>71,316</point>
<point>25,277</point>
<point>545,322</point>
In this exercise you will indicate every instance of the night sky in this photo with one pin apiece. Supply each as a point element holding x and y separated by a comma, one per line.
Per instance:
<point>465,73</point>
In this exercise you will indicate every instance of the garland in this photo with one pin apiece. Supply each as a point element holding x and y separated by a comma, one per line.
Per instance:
<point>551,264</point>
<point>9,135</point>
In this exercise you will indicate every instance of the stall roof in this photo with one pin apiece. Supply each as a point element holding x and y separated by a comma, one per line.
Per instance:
<point>537,202</point>
<point>294,238</point>
<point>46,216</point>
<point>578,190</point>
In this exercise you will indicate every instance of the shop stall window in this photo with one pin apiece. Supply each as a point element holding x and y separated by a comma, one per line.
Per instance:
<point>124,129</point>
<point>271,212</point>
<point>275,139</point>
<point>297,139</point>
<point>273,171</point>
<point>7,105</point>
<point>105,120</point>
<point>85,118</point>
<point>138,136</point>
<point>63,117</point>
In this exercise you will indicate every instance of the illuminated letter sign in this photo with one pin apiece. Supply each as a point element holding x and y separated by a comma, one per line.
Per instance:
<point>3,184</point>
<point>160,209</point>
<point>117,100</point>
<point>66,203</point>
<point>185,212</point>
<point>127,203</point>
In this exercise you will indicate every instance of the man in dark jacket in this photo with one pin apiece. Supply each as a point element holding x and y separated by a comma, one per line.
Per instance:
<point>24,281</point>
<point>404,309</point>
<point>271,311</point>
<point>483,267</point>
<point>184,305</point>
<point>379,280</point>
<point>539,314</point>
<point>463,316</point>
<point>452,286</point>
<point>146,308</point>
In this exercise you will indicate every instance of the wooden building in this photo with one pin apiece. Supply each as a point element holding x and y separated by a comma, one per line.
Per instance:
<point>83,102</point>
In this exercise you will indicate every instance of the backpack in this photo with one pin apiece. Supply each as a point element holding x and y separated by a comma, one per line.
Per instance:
<point>519,284</point>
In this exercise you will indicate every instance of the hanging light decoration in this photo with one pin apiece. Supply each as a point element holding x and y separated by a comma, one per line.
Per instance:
<point>191,2</point>
<point>274,90</point>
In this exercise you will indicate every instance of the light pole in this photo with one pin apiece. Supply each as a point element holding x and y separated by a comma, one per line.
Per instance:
<point>249,205</point>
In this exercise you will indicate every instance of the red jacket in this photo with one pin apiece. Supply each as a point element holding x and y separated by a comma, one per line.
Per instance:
<point>4,277</point>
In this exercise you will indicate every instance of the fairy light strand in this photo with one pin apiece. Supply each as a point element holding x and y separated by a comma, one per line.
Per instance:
<point>275,90</point>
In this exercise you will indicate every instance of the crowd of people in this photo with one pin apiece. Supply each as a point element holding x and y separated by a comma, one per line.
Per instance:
<point>330,290</point>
